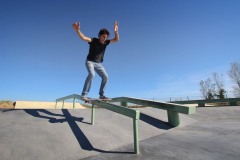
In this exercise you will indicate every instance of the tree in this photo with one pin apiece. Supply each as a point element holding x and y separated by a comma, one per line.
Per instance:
<point>221,93</point>
<point>234,74</point>
<point>218,81</point>
<point>203,89</point>
<point>207,89</point>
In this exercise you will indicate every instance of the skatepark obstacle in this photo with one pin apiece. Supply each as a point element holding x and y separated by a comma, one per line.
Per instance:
<point>172,109</point>
<point>134,114</point>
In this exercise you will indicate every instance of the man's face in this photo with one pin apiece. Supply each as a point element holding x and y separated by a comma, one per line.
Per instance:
<point>103,38</point>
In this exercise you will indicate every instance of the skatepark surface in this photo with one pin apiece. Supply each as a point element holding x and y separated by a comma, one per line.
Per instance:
<point>213,133</point>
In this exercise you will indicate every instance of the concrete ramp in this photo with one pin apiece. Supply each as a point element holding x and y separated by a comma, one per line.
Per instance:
<point>67,134</point>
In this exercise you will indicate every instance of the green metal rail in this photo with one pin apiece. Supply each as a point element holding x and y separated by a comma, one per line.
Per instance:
<point>201,103</point>
<point>173,110</point>
<point>73,96</point>
<point>134,114</point>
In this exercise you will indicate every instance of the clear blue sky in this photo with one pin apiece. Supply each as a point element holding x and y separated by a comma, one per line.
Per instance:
<point>166,47</point>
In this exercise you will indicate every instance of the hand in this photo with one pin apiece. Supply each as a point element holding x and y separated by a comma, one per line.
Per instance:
<point>116,26</point>
<point>76,26</point>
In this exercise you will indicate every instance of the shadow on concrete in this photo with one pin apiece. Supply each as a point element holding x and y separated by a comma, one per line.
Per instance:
<point>8,110</point>
<point>36,113</point>
<point>71,120</point>
<point>155,122</point>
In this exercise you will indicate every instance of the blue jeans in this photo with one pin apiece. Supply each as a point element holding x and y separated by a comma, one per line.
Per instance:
<point>92,67</point>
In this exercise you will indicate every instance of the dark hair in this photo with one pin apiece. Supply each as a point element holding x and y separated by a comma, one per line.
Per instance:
<point>103,31</point>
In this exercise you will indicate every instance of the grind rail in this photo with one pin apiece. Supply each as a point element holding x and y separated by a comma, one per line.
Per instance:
<point>201,103</point>
<point>172,109</point>
<point>134,114</point>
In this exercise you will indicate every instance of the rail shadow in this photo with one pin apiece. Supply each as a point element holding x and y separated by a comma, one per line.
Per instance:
<point>82,139</point>
<point>155,122</point>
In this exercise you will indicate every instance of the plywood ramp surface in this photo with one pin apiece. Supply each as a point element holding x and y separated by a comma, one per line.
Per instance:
<point>45,105</point>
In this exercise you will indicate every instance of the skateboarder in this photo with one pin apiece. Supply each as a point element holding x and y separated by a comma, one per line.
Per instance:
<point>95,57</point>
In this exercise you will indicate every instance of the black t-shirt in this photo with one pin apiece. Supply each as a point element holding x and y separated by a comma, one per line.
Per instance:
<point>97,50</point>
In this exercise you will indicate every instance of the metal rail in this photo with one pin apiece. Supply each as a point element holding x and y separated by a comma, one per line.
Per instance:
<point>201,103</point>
<point>173,110</point>
<point>134,114</point>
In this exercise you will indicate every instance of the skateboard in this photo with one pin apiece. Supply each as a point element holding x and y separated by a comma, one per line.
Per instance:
<point>88,99</point>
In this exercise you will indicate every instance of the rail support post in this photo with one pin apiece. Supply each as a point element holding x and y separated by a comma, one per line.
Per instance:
<point>63,104</point>
<point>56,105</point>
<point>93,115</point>
<point>135,135</point>
<point>74,100</point>
<point>233,103</point>
<point>123,103</point>
<point>201,104</point>
<point>173,118</point>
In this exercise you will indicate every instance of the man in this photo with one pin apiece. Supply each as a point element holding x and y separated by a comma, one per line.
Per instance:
<point>95,57</point>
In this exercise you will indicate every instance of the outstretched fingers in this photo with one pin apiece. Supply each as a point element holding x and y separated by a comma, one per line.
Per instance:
<point>76,25</point>
<point>116,26</point>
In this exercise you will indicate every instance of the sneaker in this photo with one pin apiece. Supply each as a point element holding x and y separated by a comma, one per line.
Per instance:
<point>104,98</point>
<point>84,97</point>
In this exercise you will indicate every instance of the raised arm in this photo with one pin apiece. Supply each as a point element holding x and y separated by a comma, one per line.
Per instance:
<point>76,27</point>
<point>116,38</point>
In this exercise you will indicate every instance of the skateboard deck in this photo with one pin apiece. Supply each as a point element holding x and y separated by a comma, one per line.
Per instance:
<point>88,99</point>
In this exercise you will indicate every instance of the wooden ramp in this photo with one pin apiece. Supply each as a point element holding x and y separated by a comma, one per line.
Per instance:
<point>6,105</point>
<point>44,105</point>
